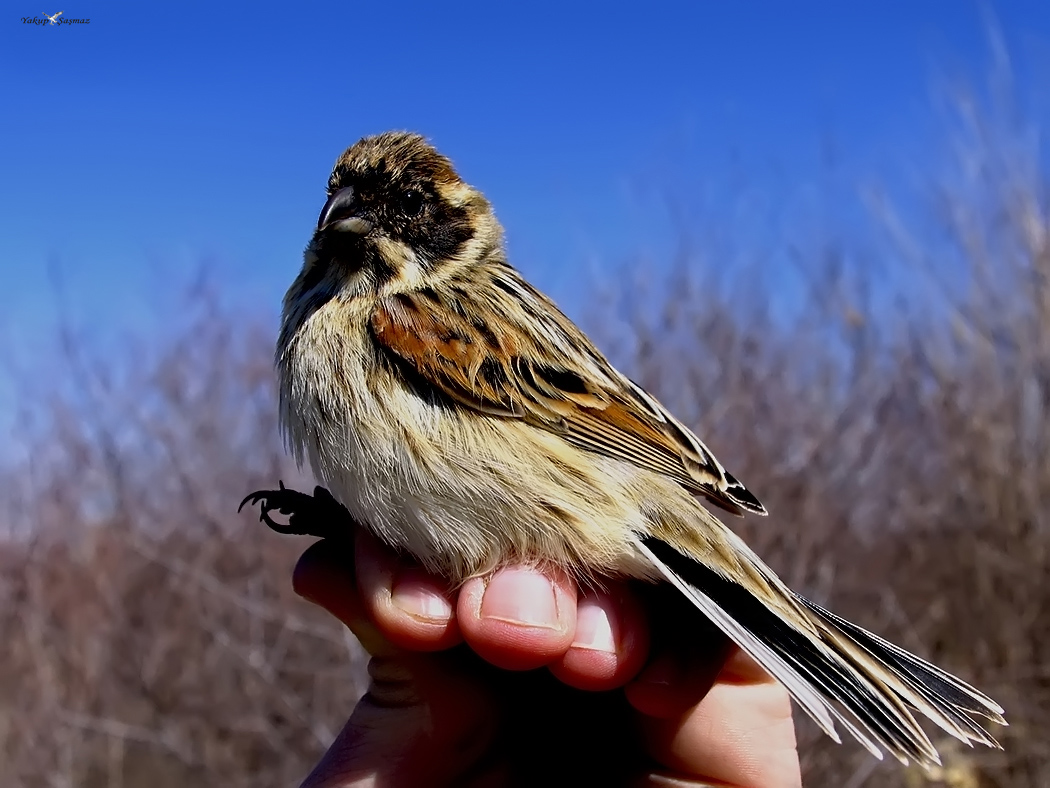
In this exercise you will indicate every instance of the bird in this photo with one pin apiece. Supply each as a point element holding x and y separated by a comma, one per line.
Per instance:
<point>458,414</point>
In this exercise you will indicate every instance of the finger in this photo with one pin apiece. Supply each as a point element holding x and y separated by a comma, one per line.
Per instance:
<point>424,722</point>
<point>740,668</point>
<point>325,576</point>
<point>519,618</point>
<point>610,643</point>
<point>740,734</point>
<point>412,609</point>
<point>678,677</point>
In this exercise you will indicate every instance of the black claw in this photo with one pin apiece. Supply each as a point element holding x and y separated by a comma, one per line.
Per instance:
<point>258,495</point>
<point>318,515</point>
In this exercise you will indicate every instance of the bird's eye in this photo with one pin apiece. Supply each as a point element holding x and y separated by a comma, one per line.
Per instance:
<point>412,202</point>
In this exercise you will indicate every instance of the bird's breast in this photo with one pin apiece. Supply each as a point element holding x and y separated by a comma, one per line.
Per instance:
<point>460,490</point>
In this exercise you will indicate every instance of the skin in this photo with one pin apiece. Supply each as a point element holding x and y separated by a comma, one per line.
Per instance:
<point>460,696</point>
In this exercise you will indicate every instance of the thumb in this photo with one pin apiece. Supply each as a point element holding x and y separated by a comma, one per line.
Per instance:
<point>424,721</point>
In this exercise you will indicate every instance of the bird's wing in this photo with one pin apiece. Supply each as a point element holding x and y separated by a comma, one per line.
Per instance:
<point>506,350</point>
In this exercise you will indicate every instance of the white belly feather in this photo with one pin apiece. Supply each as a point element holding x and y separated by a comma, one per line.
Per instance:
<point>460,491</point>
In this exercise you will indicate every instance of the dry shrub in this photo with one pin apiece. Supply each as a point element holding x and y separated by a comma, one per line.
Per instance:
<point>895,425</point>
<point>151,635</point>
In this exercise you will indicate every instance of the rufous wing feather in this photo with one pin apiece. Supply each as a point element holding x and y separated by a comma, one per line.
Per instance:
<point>498,357</point>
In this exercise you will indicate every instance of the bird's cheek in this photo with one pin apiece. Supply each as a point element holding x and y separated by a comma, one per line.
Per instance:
<point>346,248</point>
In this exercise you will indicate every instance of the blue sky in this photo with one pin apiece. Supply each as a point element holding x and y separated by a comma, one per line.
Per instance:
<point>156,140</point>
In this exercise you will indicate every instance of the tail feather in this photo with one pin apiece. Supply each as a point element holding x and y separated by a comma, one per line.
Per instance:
<point>947,701</point>
<point>944,684</point>
<point>895,683</point>
<point>841,674</point>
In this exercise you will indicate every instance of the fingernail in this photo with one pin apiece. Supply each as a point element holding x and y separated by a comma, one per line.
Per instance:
<point>594,630</point>
<point>420,600</point>
<point>521,597</point>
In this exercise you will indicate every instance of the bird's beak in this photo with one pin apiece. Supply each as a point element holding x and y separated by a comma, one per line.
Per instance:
<point>340,214</point>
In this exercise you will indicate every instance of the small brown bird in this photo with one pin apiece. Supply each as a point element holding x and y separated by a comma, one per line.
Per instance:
<point>459,415</point>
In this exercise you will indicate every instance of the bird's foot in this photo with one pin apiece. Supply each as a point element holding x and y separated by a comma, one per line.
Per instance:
<point>319,515</point>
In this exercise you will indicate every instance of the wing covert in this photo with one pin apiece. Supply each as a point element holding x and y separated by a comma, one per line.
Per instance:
<point>486,354</point>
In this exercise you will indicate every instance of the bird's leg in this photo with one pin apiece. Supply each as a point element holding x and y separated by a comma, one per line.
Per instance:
<point>319,515</point>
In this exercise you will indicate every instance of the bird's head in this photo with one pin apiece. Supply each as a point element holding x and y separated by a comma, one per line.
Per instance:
<point>396,216</point>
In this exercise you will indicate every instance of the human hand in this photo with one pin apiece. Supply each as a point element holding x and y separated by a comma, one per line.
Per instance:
<point>456,698</point>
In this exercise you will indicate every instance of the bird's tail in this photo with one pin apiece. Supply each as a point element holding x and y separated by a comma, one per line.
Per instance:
<point>835,670</point>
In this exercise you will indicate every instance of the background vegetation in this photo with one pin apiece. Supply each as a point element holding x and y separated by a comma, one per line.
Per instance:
<point>893,417</point>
